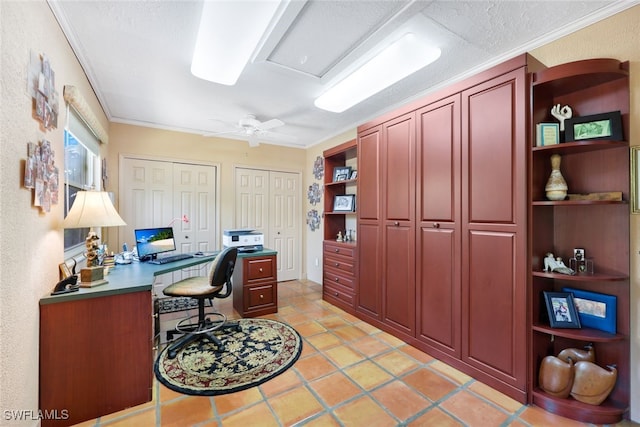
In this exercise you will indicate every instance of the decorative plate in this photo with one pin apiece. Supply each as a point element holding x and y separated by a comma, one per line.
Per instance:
<point>314,194</point>
<point>318,167</point>
<point>313,219</point>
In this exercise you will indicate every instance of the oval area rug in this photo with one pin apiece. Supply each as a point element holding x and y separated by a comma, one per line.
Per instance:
<point>262,350</point>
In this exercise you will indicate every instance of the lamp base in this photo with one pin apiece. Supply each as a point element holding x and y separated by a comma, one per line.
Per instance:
<point>92,276</point>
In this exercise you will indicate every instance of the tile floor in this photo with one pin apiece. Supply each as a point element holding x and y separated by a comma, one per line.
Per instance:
<point>349,374</point>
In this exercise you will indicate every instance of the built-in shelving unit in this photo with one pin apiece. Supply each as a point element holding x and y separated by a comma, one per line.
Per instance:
<point>600,227</point>
<point>339,257</point>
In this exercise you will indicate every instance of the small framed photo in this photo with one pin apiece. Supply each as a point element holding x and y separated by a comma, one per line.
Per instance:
<point>595,310</point>
<point>64,270</point>
<point>547,134</point>
<point>341,174</point>
<point>344,203</point>
<point>597,126</point>
<point>354,175</point>
<point>561,310</point>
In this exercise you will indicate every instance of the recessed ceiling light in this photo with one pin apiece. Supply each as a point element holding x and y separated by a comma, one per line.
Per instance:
<point>400,59</point>
<point>228,34</point>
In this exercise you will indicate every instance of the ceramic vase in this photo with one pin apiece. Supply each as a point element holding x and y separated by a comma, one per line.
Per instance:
<point>556,187</point>
<point>556,376</point>
<point>592,384</point>
<point>587,354</point>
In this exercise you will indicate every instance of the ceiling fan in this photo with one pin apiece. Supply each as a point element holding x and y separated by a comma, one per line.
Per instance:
<point>253,129</point>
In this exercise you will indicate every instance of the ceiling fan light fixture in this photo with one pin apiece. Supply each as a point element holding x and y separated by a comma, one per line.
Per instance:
<point>400,59</point>
<point>227,37</point>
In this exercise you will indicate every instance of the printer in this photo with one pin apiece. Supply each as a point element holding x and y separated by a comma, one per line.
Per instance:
<point>244,240</point>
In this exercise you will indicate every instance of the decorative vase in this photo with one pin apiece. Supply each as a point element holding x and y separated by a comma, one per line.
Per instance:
<point>556,187</point>
<point>587,355</point>
<point>592,384</point>
<point>556,376</point>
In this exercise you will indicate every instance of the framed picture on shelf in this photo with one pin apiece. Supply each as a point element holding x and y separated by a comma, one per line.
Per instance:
<point>344,203</point>
<point>341,174</point>
<point>561,310</point>
<point>354,175</point>
<point>597,126</point>
<point>595,310</point>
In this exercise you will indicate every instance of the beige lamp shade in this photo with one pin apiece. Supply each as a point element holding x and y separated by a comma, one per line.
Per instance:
<point>92,209</point>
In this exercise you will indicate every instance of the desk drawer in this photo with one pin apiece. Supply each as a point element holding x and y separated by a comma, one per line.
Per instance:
<point>335,248</point>
<point>332,276</point>
<point>260,268</point>
<point>258,296</point>
<point>343,264</point>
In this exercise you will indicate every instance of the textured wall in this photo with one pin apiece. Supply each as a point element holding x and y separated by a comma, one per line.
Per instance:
<point>31,245</point>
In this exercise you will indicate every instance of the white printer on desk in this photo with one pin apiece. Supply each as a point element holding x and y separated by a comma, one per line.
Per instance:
<point>244,240</point>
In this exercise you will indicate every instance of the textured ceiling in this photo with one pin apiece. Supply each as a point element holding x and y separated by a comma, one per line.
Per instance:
<point>137,55</point>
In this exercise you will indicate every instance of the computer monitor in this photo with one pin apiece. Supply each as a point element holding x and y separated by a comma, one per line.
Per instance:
<point>153,241</point>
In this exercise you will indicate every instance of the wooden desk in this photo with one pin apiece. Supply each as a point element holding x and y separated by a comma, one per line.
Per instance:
<point>96,353</point>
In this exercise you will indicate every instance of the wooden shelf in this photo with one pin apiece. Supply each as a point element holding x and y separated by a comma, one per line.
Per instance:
<point>341,213</point>
<point>348,181</point>
<point>595,277</point>
<point>579,75</point>
<point>577,202</point>
<point>582,334</point>
<point>580,147</point>
<point>606,413</point>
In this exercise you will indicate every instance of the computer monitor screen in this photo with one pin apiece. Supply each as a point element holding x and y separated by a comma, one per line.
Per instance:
<point>152,241</point>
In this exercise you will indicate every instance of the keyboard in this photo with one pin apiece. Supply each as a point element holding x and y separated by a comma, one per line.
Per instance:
<point>172,258</point>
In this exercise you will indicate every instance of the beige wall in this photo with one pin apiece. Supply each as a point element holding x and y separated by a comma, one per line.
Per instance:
<point>617,37</point>
<point>31,242</point>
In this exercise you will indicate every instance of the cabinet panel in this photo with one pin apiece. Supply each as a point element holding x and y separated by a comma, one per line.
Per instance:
<point>439,161</point>
<point>399,168</point>
<point>439,290</point>
<point>369,175</point>
<point>399,283</point>
<point>494,149</point>
<point>492,323</point>
<point>368,295</point>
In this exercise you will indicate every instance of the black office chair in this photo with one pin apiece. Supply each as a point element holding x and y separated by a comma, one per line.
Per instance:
<point>202,288</point>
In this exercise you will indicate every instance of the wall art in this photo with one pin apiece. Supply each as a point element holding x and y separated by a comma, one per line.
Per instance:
<point>318,167</point>
<point>313,220</point>
<point>314,194</point>
<point>42,175</point>
<point>42,89</point>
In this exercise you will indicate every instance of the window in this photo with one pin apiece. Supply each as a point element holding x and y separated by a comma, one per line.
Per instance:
<point>81,172</point>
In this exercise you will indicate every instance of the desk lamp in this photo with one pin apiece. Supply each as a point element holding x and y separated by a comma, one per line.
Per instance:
<point>92,209</point>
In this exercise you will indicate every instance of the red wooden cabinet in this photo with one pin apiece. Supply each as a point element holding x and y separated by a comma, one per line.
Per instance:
<point>255,288</point>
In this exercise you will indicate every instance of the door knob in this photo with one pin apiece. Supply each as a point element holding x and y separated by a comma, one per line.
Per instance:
<point>436,225</point>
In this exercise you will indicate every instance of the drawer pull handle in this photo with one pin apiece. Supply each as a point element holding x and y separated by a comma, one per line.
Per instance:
<point>436,225</point>
<point>337,279</point>
<point>396,223</point>
<point>260,270</point>
<point>261,296</point>
<point>337,250</point>
<point>337,264</point>
<point>335,294</point>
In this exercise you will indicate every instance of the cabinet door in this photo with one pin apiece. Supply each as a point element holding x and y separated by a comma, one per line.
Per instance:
<point>368,288</point>
<point>494,227</point>
<point>438,249</point>
<point>398,172</point>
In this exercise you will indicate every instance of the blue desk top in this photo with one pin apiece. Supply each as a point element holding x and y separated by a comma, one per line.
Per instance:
<point>139,276</point>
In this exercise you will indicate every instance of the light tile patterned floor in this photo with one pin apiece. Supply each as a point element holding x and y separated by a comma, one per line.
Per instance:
<point>349,374</point>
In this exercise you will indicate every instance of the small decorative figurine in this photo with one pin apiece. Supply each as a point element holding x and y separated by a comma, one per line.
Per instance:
<point>561,114</point>
<point>339,238</point>
<point>555,265</point>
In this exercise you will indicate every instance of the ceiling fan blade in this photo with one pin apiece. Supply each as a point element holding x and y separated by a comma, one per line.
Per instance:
<point>270,124</point>
<point>219,133</point>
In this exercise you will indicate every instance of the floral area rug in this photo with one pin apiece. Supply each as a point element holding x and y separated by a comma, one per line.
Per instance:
<point>262,350</point>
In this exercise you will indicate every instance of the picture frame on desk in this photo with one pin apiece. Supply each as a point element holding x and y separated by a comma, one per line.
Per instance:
<point>561,310</point>
<point>594,127</point>
<point>595,310</point>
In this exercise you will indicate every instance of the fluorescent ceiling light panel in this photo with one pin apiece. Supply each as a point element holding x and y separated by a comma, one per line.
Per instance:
<point>229,33</point>
<point>400,59</point>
